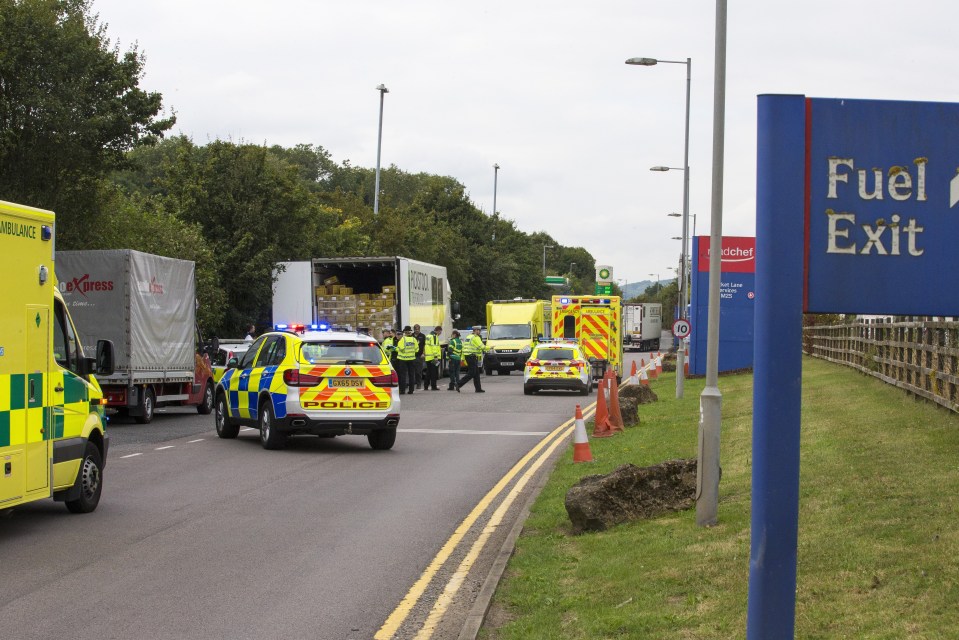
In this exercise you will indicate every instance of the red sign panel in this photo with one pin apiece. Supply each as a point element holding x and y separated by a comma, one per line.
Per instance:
<point>739,254</point>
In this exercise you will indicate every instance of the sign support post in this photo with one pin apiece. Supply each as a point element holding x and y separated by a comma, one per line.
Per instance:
<point>777,376</point>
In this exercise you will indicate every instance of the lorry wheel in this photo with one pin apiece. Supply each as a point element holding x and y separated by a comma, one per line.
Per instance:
<point>205,407</point>
<point>224,427</point>
<point>91,481</point>
<point>270,437</point>
<point>149,404</point>
<point>383,439</point>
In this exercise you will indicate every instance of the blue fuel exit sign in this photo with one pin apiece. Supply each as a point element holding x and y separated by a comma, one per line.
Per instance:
<point>882,207</point>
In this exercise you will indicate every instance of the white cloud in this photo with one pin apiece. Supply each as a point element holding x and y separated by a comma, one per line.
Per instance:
<point>539,87</point>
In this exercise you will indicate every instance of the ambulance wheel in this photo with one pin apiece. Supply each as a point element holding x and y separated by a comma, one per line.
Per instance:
<point>205,407</point>
<point>148,404</point>
<point>224,427</point>
<point>270,436</point>
<point>90,481</point>
<point>382,439</point>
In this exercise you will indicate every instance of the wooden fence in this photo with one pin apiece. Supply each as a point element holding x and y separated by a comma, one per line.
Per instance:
<point>919,356</point>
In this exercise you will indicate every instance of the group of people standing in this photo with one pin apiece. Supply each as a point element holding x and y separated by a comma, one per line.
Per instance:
<point>416,357</point>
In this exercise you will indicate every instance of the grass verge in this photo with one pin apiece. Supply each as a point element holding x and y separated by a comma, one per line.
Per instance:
<point>878,549</point>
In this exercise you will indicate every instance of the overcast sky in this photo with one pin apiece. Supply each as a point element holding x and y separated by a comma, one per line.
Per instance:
<point>539,88</point>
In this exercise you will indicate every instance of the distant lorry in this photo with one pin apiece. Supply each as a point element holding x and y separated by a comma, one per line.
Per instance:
<point>146,305</point>
<point>513,327</point>
<point>642,326</point>
<point>367,294</point>
<point>596,322</point>
<point>53,440</point>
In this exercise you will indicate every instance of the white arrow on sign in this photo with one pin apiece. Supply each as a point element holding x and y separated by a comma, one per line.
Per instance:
<point>954,190</point>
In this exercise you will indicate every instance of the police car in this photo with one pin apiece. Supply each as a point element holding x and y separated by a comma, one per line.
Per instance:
<point>310,380</point>
<point>557,364</point>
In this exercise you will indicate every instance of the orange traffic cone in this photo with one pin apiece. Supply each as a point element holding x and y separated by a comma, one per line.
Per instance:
<point>652,367</point>
<point>601,418</point>
<point>643,378</point>
<point>581,452</point>
<point>632,374</point>
<point>659,363</point>
<point>615,415</point>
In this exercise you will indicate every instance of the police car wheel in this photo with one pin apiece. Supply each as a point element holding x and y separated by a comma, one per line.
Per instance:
<point>527,390</point>
<point>147,406</point>
<point>224,427</point>
<point>91,481</point>
<point>383,439</point>
<point>206,405</point>
<point>270,437</point>
<point>586,389</point>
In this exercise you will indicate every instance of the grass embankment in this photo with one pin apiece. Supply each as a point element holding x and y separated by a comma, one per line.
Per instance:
<point>878,549</point>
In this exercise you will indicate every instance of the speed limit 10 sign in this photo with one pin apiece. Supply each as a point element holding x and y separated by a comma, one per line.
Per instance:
<point>681,328</point>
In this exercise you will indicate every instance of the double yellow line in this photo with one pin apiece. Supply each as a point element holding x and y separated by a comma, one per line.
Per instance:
<point>543,449</point>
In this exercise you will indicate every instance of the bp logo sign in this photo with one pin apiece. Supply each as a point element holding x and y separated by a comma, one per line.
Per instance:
<point>604,273</point>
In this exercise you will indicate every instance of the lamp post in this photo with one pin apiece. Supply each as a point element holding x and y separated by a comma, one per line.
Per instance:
<point>545,247</point>
<point>658,286</point>
<point>495,175</point>
<point>680,353</point>
<point>379,144</point>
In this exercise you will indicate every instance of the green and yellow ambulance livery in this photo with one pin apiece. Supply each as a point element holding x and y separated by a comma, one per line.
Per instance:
<point>52,437</point>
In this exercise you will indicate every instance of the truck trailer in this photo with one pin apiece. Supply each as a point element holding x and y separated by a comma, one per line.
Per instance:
<point>365,294</point>
<point>53,438</point>
<point>146,305</point>
<point>642,326</point>
<point>513,327</point>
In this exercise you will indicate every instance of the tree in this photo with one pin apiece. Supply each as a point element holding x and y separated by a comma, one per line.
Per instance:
<point>70,107</point>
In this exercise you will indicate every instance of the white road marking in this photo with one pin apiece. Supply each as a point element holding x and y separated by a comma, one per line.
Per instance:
<point>169,446</point>
<point>132,455</point>
<point>197,440</point>
<point>470,432</point>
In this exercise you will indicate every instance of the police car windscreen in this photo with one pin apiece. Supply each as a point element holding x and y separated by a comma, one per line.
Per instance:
<point>342,352</point>
<point>555,354</point>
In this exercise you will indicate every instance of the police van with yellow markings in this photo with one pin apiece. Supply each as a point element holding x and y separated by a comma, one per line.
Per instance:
<point>310,380</point>
<point>557,363</point>
<point>52,437</point>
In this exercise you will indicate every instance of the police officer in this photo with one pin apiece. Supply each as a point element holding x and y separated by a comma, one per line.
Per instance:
<point>433,354</point>
<point>389,346</point>
<point>406,348</point>
<point>473,348</point>
<point>455,351</point>
<point>420,355</point>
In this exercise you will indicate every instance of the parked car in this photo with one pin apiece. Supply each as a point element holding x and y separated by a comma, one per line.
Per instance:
<point>557,364</point>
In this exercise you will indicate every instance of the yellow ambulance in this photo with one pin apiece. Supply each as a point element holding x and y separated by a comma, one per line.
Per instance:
<point>52,437</point>
<point>596,322</point>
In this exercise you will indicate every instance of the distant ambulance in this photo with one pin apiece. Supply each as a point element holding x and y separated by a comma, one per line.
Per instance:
<point>52,437</point>
<point>596,322</point>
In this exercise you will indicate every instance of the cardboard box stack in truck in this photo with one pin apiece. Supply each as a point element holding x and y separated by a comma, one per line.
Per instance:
<point>146,305</point>
<point>367,294</point>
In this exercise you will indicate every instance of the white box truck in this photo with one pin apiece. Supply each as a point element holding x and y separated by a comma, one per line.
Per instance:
<point>366,294</point>
<point>642,326</point>
<point>146,305</point>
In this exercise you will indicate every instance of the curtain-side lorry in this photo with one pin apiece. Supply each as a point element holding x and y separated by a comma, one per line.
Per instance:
<point>642,326</point>
<point>146,305</point>
<point>513,327</point>
<point>53,438</point>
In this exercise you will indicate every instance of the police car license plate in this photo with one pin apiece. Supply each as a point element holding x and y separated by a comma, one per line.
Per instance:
<point>553,367</point>
<point>346,383</point>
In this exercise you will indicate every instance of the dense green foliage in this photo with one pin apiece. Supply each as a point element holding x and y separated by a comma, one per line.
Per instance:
<point>78,135</point>
<point>70,108</point>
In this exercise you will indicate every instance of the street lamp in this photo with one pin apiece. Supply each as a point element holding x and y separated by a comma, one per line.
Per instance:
<point>495,174</point>
<point>545,247</point>
<point>680,353</point>
<point>379,144</point>
<point>658,286</point>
